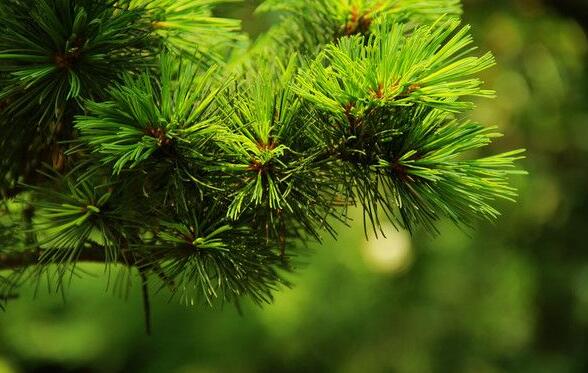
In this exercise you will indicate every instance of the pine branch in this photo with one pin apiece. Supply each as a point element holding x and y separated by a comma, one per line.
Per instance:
<point>189,28</point>
<point>308,25</point>
<point>33,257</point>
<point>136,139</point>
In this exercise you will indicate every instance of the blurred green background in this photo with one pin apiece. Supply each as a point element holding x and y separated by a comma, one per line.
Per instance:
<point>508,297</point>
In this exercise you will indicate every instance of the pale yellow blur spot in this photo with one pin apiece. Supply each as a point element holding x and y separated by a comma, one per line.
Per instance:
<point>390,254</point>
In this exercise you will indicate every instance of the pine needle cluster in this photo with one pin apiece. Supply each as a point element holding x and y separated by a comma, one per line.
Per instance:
<point>151,135</point>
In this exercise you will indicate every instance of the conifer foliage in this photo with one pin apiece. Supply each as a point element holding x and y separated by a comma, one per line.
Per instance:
<point>152,136</point>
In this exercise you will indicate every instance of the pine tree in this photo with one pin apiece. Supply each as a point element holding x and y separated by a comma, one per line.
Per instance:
<point>152,136</point>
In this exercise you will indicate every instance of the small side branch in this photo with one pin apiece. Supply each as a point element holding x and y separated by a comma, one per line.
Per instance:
<point>146,302</point>
<point>32,257</point>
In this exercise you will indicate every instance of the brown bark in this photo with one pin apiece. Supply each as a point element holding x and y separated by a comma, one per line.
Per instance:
<point>28,258</point>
